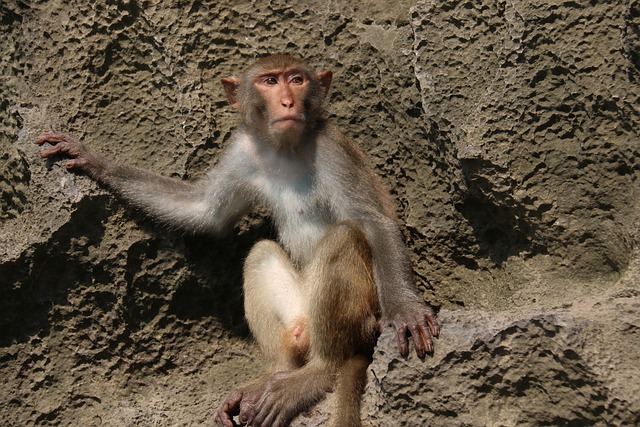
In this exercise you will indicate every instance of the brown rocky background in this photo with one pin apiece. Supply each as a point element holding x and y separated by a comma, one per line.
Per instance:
<point>507,131</point>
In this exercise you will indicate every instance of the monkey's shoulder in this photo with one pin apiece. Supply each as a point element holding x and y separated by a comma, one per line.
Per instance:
<point>334,145</point>
<point>351,165</point>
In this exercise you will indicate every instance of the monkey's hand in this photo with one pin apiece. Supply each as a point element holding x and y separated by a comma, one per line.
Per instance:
<point>81,157</point>
<point>419,321</point>
<point>229,409</point>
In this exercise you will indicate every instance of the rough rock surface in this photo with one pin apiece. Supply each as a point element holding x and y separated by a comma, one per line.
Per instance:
<point>507,131</point>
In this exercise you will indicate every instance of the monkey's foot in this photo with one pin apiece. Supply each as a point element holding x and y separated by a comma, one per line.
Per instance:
<point>275,400</point>
<point>242,403</point>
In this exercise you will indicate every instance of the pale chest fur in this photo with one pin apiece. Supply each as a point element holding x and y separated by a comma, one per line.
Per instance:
<point>289,188</point>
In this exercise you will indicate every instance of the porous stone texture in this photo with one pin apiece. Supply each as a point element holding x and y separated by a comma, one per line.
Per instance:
<point>507,131</point>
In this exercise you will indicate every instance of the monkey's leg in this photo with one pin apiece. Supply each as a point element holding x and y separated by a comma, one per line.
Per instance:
<point>341,295</point>
<point>274,306</point>
<point>342,306</point>
<point>276,315</point>
<point>343,310</point>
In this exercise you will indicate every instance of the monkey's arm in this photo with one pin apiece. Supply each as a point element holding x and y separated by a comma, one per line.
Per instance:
<point>400,303</point>
<point>401,306</point>
<point>210,205</point>
<point>367,203</point>
<point>364,201</point>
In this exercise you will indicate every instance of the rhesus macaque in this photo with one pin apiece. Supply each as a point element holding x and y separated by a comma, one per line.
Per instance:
<point>314,300</point>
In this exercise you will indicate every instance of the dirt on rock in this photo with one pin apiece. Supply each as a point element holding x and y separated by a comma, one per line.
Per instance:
<point>508,133</point>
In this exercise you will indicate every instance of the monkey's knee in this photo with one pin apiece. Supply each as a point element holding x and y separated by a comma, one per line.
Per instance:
<point>344,248</point>
<point>268,265</point>
<point>346,235</point>
<point>271,282</point>
<point>344,301</point>
<point>347,264</point>
<point>263,254</point>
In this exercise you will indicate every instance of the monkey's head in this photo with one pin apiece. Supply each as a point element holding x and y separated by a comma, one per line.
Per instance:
<point>279,98</point>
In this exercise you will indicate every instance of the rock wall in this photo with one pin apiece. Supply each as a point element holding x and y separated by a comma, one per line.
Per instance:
<point>507,132</point>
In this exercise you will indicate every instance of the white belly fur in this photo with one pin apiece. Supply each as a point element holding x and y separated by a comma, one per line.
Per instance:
<point>300,217</point>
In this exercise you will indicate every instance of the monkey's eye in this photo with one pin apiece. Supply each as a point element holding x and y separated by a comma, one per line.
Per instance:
<point>270,81</point>
<point>297,80</point>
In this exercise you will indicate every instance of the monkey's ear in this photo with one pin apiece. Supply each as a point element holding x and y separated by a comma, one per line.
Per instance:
<point>231,85</point>
<point>324,78</point>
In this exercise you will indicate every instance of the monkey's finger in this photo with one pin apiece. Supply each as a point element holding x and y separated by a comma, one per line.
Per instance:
<point>52,151</point>
<point>50,137</point>
<point>218,419</point>
<point>75,163</point>
<point>425,336</point>
<point>433,324</point>
<point>403,341</point>
<point>247,414</point>
<point>229,408</point>
<point>279,421</point>
<point>274,418</point>
<point>222,419</point>
<point>420,341</point>
<point>262,414</point>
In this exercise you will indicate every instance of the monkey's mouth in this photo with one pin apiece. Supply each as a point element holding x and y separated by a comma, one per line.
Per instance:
<point>293,118</point>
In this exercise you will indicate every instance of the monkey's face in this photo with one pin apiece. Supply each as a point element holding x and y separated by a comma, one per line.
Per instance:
<point>282,94</point>
<point>279,98</point>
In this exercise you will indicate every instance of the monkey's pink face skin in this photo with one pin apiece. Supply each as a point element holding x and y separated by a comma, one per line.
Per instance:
<point>284,92</point>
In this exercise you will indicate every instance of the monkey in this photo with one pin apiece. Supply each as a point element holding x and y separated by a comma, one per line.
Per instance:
<point>317,299</point>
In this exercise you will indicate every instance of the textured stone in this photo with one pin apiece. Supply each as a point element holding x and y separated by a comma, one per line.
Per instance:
<point>506,131</point>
